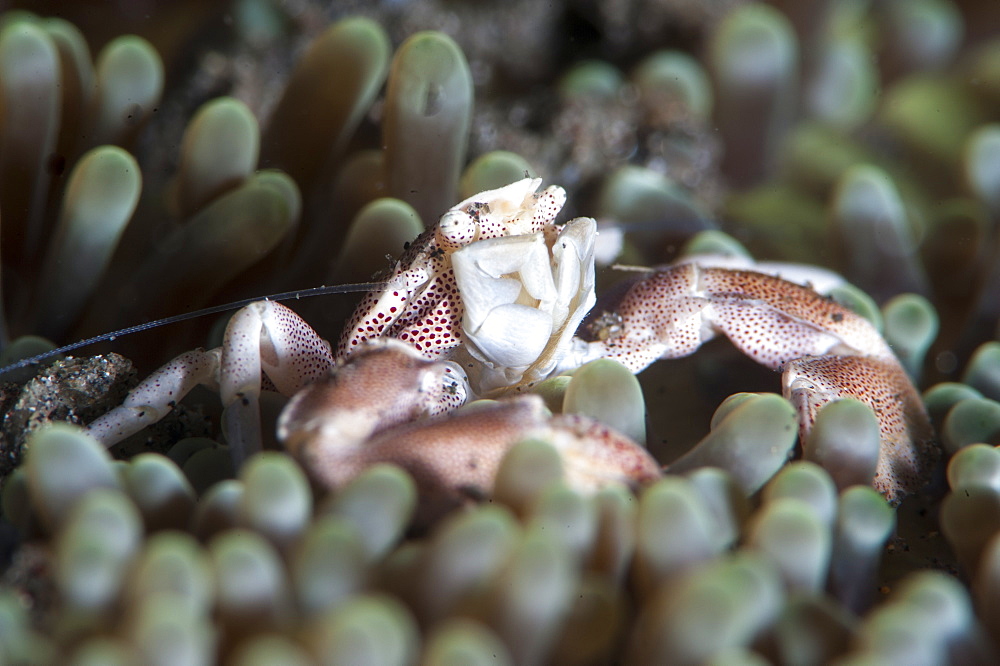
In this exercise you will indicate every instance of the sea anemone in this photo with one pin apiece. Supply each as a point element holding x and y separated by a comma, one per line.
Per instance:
<point>259,148</point>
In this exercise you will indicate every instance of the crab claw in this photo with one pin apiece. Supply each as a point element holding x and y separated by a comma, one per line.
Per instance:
<point>908,453</point>
<point>826,351</point>
<point>455,457</point>
<point>385,383</point>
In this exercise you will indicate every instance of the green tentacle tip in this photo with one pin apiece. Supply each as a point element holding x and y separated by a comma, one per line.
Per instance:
<point>277,501</point>
<point>270,649</point>
<point>328,565</point>
<point>845,440</point>
<point>752,442</point>
<point>261,211</point>
<point>796,539</point>
<point>975,465</point>
<point>911,325</point>
<point>77,86</point>
<point>723,604</point>
<point>525,471</point>
<point>553,391</point>
<point>165,631</point>
<point>464,554</point>
<point>845,91</point>
<point>867,192</point>
<point>381,228</point>
<point>923,33</point>
<point>217,509</point>
<point>380,502</point>
<point>567,514</point>
<point>229,235</point>
<point>160,490</point>
<point>27,54</point>
<point>173,564</point>
<point>12,16</point>
<point>674,75</point>
<point>465,641</point>
<point>858,301</point>
<point>933,115</point>
<point>806,482</point>
<point>539,579</point>
<point>219,151</point>
<point>982,165</point>
<point>207,465</point>
<point>23,347</point>
<point>427,117</point>
<point>30,81</point>
<point>983,371</point>
<point>865,514</point>
<point>670,508</point>
<point>24,48</point>
<point>753,45</point>
<point>712,241</point>
<point>970,519</point>
<point>971,421</point>
<point>372,630</point>
<point>63,464</point>
<point>251,582</point>
<point>101,535</point>
<point>427,65</point>
<point>101,196</point>
<point>865,521</point>
<point>940,398</point>
<point>282,185</point>
<point>130,82</point>
<point>493,170</point>
<point>332,86</point>
<point>104,187</point>
<point>877,242</point>
<point>591,79</point>
<point>608,392</point>
<point>728,405</point>
<point>726,501</point>
<point>652,202</point>
<point>256,206</point>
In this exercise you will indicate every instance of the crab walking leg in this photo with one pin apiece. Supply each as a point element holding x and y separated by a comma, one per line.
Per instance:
<point>781,325</point>
<point>265,337</point>
<point>156,395</point>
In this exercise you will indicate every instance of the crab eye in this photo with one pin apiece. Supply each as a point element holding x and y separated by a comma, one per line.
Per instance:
<point>456,228</point>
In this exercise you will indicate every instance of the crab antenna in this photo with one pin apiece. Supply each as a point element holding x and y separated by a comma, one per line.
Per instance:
<point>215,309</point>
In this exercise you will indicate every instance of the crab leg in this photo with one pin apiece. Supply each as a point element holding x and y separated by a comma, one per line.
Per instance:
<point>156,395</point>
<point>262,337</point>
<point>454,457</point>
<point>265,337</point>
<point>384,405</point>
<point>676,309</point>
<point>385,383</point>
<point>826,351</point>
<point>908,451</point>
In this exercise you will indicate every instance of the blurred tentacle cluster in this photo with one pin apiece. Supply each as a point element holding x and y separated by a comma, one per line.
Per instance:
<point>279,145</point>
<point>66,115</point>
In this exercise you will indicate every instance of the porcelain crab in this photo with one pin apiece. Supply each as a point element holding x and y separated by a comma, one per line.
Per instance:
<point>488,302</point>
